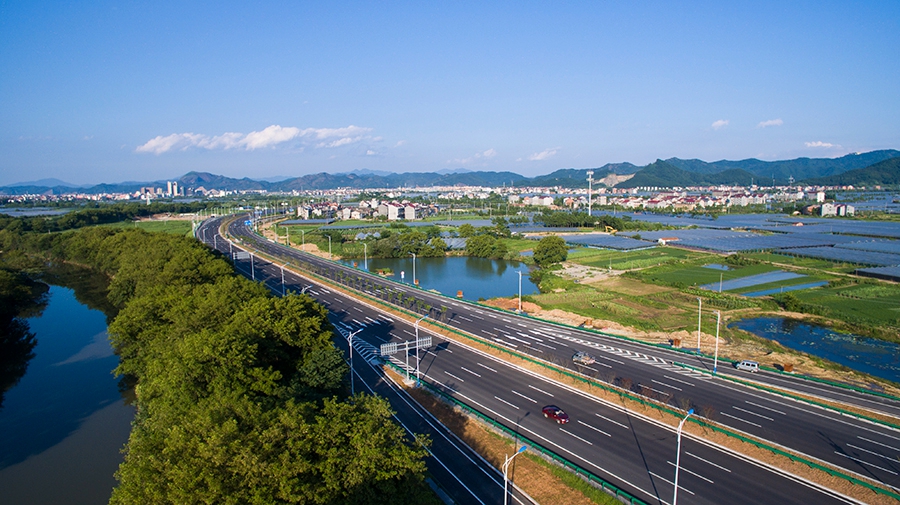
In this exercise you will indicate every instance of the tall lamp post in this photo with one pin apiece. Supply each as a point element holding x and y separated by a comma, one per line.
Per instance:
<point>590,174</point>
<point>418,377</point>
<point>329,247</point>
<point>366,256</point>
<point>678,456</point>
<point>350,344</point>
<point>505,468</point>
<point>414,269</point>
<point>520,290</point>
<point>716,358</point>
<point>699,307</point>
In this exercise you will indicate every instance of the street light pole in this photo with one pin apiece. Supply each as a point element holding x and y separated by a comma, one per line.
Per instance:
<point>590,174</point>
<point>699,307</point>
<point>283,292</point>
<point>350,343</point>
<point>520,290</point>
<point>414,269</point>
<point>678,456</point>
<point>329,247</point>
<point>716,358</point>
<point>366,256</point>
<point>505,468</point>
<point>418,377</point>
<point>252,269</point>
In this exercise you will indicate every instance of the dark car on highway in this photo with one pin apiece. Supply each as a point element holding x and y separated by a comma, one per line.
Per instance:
<point>555,413</point>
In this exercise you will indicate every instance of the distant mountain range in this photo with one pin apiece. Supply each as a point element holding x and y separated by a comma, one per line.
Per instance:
<point>872,168</point>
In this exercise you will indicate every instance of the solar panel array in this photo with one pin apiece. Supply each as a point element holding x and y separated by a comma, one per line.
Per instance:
<point>890,273</point>
<point>606,241</point>
<point>887,246</point>
<point>844,255</point>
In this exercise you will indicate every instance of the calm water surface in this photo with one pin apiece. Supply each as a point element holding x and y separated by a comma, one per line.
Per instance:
<point>63,425</point>
<point>868,355</point>
<point>475,277</point>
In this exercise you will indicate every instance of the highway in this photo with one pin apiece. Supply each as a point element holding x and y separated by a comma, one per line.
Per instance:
<point>650,374</point>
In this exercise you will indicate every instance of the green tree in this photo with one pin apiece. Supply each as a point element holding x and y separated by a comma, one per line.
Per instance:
<point>550,250</point>
<point>466,230</point>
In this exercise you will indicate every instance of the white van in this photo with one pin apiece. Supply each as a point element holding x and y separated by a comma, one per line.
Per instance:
<point>750,366</point>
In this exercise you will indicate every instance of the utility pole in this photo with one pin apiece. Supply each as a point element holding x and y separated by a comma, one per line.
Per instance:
<point>590,174</point>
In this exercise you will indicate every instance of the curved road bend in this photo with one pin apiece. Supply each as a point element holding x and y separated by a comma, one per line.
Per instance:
<point>627,450</point>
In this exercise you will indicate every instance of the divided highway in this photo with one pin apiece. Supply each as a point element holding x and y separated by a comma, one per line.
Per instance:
<point>601,437</point>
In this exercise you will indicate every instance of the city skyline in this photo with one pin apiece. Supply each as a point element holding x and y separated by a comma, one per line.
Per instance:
<point>108,92</point>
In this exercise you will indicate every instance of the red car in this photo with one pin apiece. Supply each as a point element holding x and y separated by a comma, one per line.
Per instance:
<point>554,412</point>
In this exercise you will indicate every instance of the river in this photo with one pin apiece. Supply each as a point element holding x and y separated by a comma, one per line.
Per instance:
<point>62,427</point>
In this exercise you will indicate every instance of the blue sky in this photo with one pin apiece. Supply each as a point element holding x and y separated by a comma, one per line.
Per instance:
<point>116,91</point>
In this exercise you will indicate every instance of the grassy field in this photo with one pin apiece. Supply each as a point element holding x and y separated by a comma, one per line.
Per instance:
<point>176,227</point>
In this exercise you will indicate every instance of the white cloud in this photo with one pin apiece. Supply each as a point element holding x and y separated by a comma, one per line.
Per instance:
<point>370,152</point>
<point>770,122</point>
<point>543,155</point>
<point>268,137</point>
<point>399,143</point>
<point>718,125</point>
<point>490,153</point>
<point>162,144</point>
<point>819,143</point>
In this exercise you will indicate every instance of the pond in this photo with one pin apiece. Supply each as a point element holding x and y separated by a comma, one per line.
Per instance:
<point>63,425</point>
<point>475,277</point>
<point>865,354</point>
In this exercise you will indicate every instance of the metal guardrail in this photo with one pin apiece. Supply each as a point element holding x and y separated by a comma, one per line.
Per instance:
<point>622,394</point>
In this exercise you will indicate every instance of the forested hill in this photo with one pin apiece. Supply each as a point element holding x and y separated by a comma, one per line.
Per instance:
<point>883,173</point>
<point>665,175</point>
<point>799,169</point>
